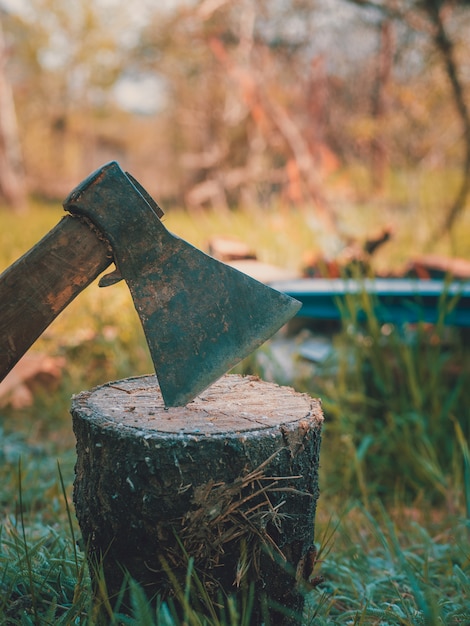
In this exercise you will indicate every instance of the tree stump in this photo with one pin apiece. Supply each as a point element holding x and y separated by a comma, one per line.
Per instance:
<point>229,481</point>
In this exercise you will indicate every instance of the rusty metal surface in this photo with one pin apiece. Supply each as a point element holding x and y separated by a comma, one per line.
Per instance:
<point>200,316</point>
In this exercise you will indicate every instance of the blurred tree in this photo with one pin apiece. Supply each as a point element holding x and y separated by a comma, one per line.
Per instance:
<point>12,186</point>
<point>436,11</point>
<point>247,124</point>
<point>381,103</point>
<point>66,58</point>
<point>267,98</point>
<point>438,18</point>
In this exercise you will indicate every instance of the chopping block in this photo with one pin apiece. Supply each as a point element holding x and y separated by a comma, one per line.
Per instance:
<point>228,483</point>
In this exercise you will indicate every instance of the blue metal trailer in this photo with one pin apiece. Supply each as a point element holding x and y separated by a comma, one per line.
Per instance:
<point>393,300</point>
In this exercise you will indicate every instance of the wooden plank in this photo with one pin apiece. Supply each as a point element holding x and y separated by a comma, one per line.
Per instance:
<point>438,266</point>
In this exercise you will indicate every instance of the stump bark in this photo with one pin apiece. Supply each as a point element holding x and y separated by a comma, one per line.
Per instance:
<point>230,481</point>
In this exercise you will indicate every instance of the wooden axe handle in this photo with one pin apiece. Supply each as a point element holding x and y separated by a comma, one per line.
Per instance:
<point>40,284</point>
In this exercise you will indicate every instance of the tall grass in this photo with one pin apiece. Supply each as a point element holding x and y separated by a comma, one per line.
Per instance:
<point>397,401</point>
<point>395,570</point>
<point>381,567</point>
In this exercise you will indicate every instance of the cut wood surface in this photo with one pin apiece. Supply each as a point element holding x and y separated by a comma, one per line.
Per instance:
<point>228,248</point>
<point>232,405</point>
<point>233,475</point>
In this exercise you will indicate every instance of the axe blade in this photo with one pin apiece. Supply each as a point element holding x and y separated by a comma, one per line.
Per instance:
<point>200,316</point>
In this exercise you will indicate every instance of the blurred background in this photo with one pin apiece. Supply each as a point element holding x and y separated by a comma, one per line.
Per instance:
<point>224,104</point>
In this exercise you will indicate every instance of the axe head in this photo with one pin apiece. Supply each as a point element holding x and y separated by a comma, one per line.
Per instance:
<point>200,316</point>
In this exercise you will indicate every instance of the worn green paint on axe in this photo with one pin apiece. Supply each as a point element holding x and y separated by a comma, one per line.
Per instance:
<point>200,316</point>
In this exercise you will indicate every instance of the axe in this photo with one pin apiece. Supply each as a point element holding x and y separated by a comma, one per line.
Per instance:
<point>200,316</point>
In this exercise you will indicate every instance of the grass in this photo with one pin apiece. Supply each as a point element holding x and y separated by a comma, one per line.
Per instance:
<point>378,567</point>
<point>403,405</point>
<point>386,570</point>
<point>393,519</point>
